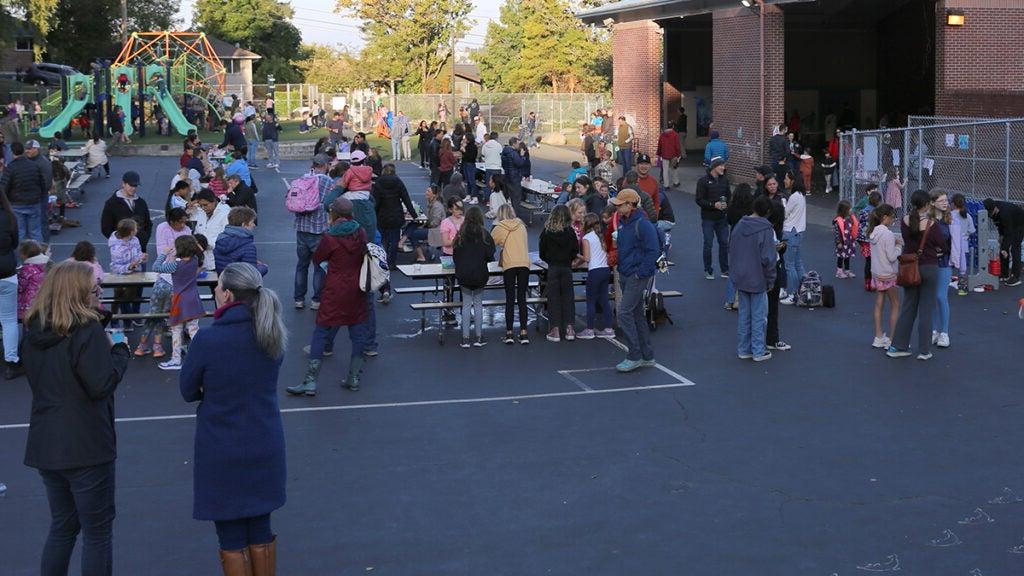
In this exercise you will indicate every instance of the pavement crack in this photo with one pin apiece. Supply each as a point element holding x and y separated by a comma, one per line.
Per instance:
<point>686,420</point>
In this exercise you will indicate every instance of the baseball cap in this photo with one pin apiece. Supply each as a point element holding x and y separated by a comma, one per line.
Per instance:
<point>342,206</point>
<point>321,160</point>
<point>32,144</point>
<point>717,161</point>
<point>358,156</point>
<point>642,158</point>
<point>131,178</point>
<point>627,195</point>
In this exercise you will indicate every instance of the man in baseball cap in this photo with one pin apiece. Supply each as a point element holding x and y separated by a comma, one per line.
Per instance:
<point>638,247</point>
<point>34,152</point>
<point>713,195</point>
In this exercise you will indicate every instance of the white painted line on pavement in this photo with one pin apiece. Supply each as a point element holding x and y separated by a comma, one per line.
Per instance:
<point>452,401</point>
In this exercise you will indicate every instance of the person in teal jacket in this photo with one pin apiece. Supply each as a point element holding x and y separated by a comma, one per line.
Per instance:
<point>716,148</point>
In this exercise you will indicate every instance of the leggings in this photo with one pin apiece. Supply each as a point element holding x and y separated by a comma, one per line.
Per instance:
<point>597,297</point>
<point>516,280</point>
<point>159,302</point>
<point>561,300</point>
<point>918,303</point>
<point>423,156</point>
<point>843,263</point>
<point>244,532</point>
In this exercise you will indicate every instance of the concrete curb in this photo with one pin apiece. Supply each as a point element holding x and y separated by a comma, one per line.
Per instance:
<point>288,150</point>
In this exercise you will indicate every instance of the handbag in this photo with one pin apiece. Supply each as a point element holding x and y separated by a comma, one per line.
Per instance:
<point>909,275</point>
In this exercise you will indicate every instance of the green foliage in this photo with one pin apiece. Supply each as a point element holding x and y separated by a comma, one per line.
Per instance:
<point>332,70</point>
<point>262,26</point>
<point>538,45</point>
<point>408,39</point>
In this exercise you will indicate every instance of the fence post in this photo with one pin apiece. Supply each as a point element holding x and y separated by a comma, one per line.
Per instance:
<point>920,157</point>
<point>1006,169</point>
<point>974,158</point>
<point>906,157</point>
<point>288,99</point>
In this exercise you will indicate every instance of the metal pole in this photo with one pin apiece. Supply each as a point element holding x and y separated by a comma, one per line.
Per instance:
<point>763,129</point>
<point>453,73</point>
<point>906,156</point>
<point>1006,169</point>
<point>974,157</point>
<point>920,157</point>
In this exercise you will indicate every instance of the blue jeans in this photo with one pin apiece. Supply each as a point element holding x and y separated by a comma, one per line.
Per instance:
<point>390,237</point>
<point>396,148</point>
<point>940,316</point>
<point>597,296</point>
<point>251,149</point>
<point>9,318</point>
<point>632,321</point>
<point>417,234</point>
<point>625,157</point>
<point>469,177</point>
<point>305,246</point>
<point>244,532</point>
<point>794,260</point>
<point>711,229</point>
<point>81,500</point>
<point>273,151</point>
<point>30,221</point>
<point>730,291</point>
<point>323,341</point>
<point>366,333</point>
<point>753,320</point>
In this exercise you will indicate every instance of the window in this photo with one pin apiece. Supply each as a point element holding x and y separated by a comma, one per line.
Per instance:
<point>23,45</point>
<point>230,66</point>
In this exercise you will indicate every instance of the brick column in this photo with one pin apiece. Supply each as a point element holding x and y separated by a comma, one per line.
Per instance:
<point>737,84</point>
<point>636,79</point>
<point>979,67</point>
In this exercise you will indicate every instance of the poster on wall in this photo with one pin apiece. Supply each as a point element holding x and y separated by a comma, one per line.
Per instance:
<point>950,141</point>
<point>965,142</point>
<point>703,116</point>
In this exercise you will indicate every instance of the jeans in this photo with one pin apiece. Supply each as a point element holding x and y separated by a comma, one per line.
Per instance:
<point>597,296</point>
<point>417,234</point>
<point>81,500</point>
<point>711,229</point>
<point>9,317</point>
<point>244,532</point>
<point>753,319</point>
<point>632,320</point>
<point>515,196</point>
<point>305,246</point>
<point>682,143</point>
<point>365,333</point>
<point>940,316</point>
<point>251,149</point>
<point>469,178</point>
<point>396,149</point>
<point>406,149</point>
<point>730,291</point>
<point>30,221</point>
<point>561,299</point>
<point>917,302</point>
<point>1011,265</point>
<point>794,260</point>
<point>516,280</point>
<point>472,308</point>
<point>390,237</point>
<point>423,156</point>
<point>625,157</point>
<point>273,151</point>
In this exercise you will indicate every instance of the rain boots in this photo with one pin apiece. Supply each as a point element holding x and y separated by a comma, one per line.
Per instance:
<point>354,368</point>
<point>264,558</point>
<point>236,562</point>
<point>308,386</point>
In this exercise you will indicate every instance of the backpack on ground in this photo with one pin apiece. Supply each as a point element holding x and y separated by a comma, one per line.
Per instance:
<point>303,194</point>
<point>809,293</point>
<point>374,272</point>
<point>655,311</point>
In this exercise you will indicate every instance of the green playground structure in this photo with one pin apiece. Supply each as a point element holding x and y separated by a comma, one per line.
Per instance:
<point>163,69</point>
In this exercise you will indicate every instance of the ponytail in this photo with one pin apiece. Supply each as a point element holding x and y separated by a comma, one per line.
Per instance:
<point>245,281</point>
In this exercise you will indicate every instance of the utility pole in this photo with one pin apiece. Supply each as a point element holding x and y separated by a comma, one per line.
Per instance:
<point>454,104</point>
<point>124,21</point>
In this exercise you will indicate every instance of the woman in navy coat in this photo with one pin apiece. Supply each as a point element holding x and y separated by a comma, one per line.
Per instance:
<point>232,370</point>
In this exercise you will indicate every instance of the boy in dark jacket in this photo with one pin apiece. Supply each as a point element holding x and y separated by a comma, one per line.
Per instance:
<point>239,194</point>
<point>1009,219</point>
<point>753,254</point>
<point>713,198</point>
<point>638,249</point>
<point>236,243</point>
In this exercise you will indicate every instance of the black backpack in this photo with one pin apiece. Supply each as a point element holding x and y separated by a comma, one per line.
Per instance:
<point>655,310</point>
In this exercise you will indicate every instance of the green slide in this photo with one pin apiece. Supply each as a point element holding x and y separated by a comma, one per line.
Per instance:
<point>81,94</point>
<point>124,98</point>
<point>174,115</point>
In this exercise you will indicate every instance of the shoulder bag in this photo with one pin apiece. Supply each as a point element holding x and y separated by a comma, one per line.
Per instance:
<point>909,275</point>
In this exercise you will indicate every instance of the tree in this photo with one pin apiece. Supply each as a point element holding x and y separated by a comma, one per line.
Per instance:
<point>408,39</point>
<point>262,26</point>
<point>332,70</point>
<point>539,44</point>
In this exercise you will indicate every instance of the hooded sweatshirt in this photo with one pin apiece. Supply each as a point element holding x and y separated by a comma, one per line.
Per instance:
<point>884,253</point>
<point>511,236</point>
<point>752,255</point>
<point>236,244</point>
<point>357,178</point>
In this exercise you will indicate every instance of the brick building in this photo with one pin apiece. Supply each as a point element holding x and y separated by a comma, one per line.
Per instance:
<point>842,63</point>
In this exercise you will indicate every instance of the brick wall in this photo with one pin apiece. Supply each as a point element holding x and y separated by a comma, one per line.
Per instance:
<point>737,85</point>
<point>980,66</point>
<point>636,79</point>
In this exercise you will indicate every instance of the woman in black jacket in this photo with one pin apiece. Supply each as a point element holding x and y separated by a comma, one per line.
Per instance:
<point>73,368</point>
<point>9,289</point>
<point>390,196</point>
<point>473,249</point>
<point>239,194</point>
<point>559,246</point>
<point>425,135</point>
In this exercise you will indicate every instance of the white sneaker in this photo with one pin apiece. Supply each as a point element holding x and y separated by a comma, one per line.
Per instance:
<point>788,301</point>
<point>171,364</point>
<point>927,356</point>
<point>935,337</point>
<point>783,294</point>
<point>880,342</point>
<point>943,340</point>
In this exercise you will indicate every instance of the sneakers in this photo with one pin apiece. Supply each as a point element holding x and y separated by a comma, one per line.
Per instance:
<point>628,365</point>
<point>368,353</point>
<point>943,340</point>
<point>158,350</point>
<point>606,333</point>
<point>962,292</point>
<point>788,300</point>
<point>882,341</point>
<point>709,275</point>
<point>1013,281</point>
<point>587,334</point>
<point>314,305</point>
<point>143,350</point>
<point>729,306</point>
<point>465,343</point>
<point>385,298</point>
<point>326,352</point>
<point>570,333</point>
<point>508,339</point>
<point>840,273</point>
<point>553,336</point>
<point>648,363</point>
<point>524,338</point>
<point>172,364</point>
<point>724,275</point>
<point>763,357</point>
<point>927,356</point>
<point>480,342</point>
<point>299,304</point>
<point>13,370</point>
<point>783,294</point>
<point>744,356</point>
<point>780,345</point>
<point>893,352</point>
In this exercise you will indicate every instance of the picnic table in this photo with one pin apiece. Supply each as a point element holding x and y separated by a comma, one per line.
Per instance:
<point>144,280</point>
<point>72,154</point>
<point>540,196</point>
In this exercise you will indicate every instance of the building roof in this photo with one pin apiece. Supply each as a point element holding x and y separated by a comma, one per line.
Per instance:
<point>227,51</point>
<point>468,72</point>
<point>634,10</point>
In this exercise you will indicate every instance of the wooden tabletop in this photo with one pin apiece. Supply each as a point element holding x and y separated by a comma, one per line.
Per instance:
<point>143,279</point>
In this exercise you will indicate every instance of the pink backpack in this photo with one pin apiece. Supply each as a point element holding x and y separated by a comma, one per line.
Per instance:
<point>304,194</point>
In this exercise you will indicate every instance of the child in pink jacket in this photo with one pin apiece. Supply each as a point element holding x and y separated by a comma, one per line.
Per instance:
<point>35,262</point>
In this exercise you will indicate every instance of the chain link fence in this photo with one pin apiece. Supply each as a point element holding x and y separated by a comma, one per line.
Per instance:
<point>503,112</point>
<point>977,158</point>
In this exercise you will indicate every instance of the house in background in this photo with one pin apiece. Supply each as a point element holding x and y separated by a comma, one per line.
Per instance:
<point>238,63</point>
<point>467,79</point>
<point>17,51</point>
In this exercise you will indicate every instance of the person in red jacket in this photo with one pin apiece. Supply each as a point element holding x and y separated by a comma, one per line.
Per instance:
<point>669,152</point>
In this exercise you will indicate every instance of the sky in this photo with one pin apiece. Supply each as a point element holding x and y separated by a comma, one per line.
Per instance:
<point>320,25</point>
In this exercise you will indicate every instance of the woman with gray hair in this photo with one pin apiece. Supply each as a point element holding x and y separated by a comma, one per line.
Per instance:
<point>232,369</point>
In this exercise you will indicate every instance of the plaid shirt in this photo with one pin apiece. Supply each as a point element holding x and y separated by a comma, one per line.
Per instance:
<point>315,222</point>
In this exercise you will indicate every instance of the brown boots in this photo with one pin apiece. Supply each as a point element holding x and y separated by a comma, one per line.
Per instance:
<point>256,560</point>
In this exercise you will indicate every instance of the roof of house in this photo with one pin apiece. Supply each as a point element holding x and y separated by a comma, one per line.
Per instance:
<point>468,72</point>
<point>633,10</point>
<point>228,51</point>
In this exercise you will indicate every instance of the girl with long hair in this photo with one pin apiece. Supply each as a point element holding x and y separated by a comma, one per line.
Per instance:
<point>885,251</point>
<point>186,307</point>
<point>510,234</point>
<point>473,248</point>
<point>595,254</point>
<point>943,218</point>
<point>558,248</point>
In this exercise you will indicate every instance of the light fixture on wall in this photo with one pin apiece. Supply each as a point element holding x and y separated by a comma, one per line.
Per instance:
<point>955,18</point>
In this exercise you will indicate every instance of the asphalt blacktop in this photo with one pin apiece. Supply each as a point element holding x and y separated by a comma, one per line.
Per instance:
<point>830,459</point>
